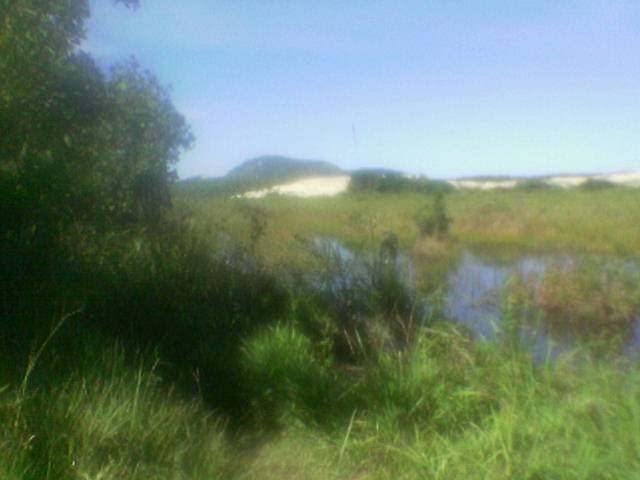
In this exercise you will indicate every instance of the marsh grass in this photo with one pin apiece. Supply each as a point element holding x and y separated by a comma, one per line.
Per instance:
<point>108,421</point>
<point>594,292</point>
<point>367,302</point>
<point>592,298</point>
<point>187,361</point>
<point>450,408</point>
<point>541,220</point>
<point>446,408</point>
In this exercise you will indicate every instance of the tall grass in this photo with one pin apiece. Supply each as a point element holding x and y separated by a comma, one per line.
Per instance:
<point>579,427</point>
<point>222,369</point>
<point>365,302</point>
<point>545,219</point>
<point>446,408</point>
<point>454,409</point>
<point>110,421</point>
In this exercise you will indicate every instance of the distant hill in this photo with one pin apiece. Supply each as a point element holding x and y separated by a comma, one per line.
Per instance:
<point>271,169</point>
<point>255,174</point>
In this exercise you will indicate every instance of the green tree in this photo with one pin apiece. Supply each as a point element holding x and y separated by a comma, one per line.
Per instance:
<point>80,150</point>
<point>77,144</point>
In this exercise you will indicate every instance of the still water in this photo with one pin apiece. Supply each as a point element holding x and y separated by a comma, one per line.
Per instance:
<point>475,296</point>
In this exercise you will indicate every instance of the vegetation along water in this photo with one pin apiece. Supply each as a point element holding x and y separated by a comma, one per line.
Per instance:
<point>401,329</point>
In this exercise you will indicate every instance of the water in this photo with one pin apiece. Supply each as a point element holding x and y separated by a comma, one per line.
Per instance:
<point>358,263</point>
<point>475,297</point>
<point>352,279</point>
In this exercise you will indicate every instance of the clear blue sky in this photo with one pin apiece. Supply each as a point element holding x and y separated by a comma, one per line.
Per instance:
<point>444,88</point>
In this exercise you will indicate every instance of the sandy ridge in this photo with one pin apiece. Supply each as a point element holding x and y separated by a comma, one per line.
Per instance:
<point>334,185</point>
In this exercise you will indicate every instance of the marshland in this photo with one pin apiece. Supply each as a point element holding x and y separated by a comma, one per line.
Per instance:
<point>296,318</point>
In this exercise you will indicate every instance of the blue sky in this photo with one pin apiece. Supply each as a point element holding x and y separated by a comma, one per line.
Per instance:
<point>443,88</point>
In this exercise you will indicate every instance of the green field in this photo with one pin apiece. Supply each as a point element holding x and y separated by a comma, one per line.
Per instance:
<point>606,221</point>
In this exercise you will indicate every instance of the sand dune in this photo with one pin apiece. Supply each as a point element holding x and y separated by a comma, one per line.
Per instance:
<point>630,179</point>
<point>333,185</point>
<point>306,187</point>
<point>483,184</point>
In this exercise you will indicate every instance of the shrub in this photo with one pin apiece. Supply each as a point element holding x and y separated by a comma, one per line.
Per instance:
<point>597,184</point>
<point>367,300</point>
<point>433,220</point>
<point>283,377</point>
<point>594,295</point>
<point>532,185</point>
<point>389,181</point>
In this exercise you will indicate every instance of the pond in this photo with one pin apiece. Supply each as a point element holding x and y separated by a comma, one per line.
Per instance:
<point>476,294</point>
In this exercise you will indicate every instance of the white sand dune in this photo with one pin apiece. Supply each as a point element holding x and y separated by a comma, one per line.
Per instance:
<point>567,181</point>
<point>630,179</point>
<point>483,184</point>
<point>333,185</point>
<point>306,187</point>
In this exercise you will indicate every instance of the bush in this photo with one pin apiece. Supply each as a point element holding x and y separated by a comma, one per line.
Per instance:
<point>283,377</point>
<point>597,184</point>
<point>436,384</point>
<point>433,219</point>
<point>367,302</point>
<point>389,181</point>
<point>532,185</point>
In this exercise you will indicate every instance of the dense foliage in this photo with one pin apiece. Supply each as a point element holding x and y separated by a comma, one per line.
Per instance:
<point>388,181</point>
<point>83,154</point>
<point>597,184</point>
<point>78,144</point>
<point>433,220</point>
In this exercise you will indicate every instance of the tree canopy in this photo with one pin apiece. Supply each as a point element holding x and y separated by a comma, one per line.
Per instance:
<point>79,143</point>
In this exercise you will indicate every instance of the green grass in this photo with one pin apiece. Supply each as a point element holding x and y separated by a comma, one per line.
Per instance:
<point>451,409</point>
<point>109,421</point>
<point>596,297</point>
<point>187,355</point>
<point>446,409</point>
<point>603,221</point>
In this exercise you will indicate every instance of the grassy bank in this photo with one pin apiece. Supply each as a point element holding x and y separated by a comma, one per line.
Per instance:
<point>192,352</point>
<point>446,409</point>
<point>603,221</point>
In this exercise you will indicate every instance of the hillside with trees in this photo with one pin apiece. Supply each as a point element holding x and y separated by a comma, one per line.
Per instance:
<point>256,173</point>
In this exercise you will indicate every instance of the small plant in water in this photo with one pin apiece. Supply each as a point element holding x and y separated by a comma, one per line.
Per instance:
<point>367,300</point>
<point>593,298</point>
<point>389,247</point>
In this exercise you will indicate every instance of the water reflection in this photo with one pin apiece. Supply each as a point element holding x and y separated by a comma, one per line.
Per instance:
<point>476,298</point>
<point>477,295</point>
